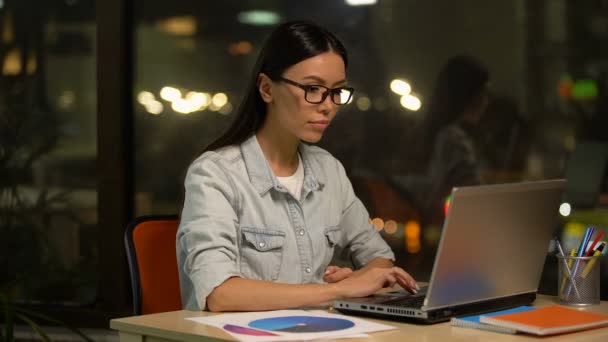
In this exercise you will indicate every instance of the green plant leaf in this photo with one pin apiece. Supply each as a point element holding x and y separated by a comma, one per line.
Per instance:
<point>34,326</point>
<point>54,321</point>
<point>8,335</point>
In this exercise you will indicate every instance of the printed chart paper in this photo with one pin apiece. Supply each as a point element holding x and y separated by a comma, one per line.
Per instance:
<point>287,325</point>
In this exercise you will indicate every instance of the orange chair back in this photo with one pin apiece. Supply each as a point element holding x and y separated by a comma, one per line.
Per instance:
<point>150,246</point>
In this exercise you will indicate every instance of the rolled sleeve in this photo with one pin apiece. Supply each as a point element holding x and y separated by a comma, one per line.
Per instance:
<point>361,238</point>
<point>207,238</point>
<point>365,243</point>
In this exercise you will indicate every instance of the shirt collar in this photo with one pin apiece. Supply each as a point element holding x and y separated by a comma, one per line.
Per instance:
<point>261,175</point>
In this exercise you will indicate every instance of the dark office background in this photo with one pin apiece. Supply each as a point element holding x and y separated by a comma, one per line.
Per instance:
<point>104,104</point>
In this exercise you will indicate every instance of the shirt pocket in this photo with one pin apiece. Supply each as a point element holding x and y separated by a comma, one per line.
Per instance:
<point>261,253</point>
<point>332,235</point>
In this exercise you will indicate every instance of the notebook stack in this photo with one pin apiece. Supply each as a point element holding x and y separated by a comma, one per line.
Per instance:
<point>548,320</point>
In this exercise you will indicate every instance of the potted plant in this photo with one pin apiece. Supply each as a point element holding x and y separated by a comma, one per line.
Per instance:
<point>14,314</point>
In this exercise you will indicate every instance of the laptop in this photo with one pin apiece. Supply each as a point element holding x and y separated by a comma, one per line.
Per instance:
<point>490,257</point>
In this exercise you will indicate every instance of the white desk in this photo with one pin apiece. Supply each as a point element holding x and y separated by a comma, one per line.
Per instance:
<point>172,326</point>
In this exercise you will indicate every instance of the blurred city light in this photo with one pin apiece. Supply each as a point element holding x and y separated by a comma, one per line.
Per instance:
<point>585,90</point>
<point>154,107</point>
<point>145,97</point>
<point>182,106</point>
<point>361,2</point>
<point>412,237</point>
<point>219,100</point>
<point>240,48</point>
<point>410,102</point>
<point>259,18</point>
<point>213,107</point>
<point>32,65</point>
<point>194,101</point>
<point>565,86</point>
<point>390,227</point>
<point>198,100</point>
<point>66,99</point>
<point>446,205</point>
<point>179,26</point>
<point>12,63</point>
<point>565,209</point>
<point>364,103</point>
<point>226,109</point>
<point>170,94</point>
<point>400,87</point>
<point>572,234</point>
<point>378,223</point>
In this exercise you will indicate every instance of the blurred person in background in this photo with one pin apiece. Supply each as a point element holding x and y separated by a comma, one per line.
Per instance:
<point>457,103</point>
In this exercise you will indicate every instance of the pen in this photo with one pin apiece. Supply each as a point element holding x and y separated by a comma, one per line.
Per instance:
<point>592,248</point>
<point>580,252</point>
<point>572,253</point>
<point>587,269</point>
<point>561,252</point>
<point>565,277</point>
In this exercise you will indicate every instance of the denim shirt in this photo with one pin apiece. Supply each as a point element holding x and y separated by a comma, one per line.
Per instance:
<point>239,221</point>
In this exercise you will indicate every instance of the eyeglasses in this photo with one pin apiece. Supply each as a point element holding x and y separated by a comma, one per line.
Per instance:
<point>316,93</point>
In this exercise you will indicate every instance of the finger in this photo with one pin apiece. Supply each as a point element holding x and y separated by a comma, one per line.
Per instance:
<point>346,271</point>
<point>332,274</point>
<point>390,280</point>
<point>409,288</point>
<point>331,278</point>
<point>338,275</point>
<point>406,277</point>
<point>407,283</point>
<point>331,269</point>
<point>412,288</point>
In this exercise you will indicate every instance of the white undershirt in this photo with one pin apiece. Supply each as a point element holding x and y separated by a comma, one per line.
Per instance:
<point>293,183</point>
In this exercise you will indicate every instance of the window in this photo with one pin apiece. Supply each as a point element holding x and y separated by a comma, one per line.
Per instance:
<point>192,61</point>
<point>48,189</point>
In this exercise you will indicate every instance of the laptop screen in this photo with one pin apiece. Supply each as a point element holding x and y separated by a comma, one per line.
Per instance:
<point>494,242</point>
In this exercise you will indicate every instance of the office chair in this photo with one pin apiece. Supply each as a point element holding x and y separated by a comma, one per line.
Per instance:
<point>150,247</point>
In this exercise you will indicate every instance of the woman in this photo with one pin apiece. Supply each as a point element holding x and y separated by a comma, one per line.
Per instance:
<point>264,212</point>
<point>457,103</point>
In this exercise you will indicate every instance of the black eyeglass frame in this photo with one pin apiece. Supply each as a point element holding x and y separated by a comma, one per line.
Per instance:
<point>333,91</point>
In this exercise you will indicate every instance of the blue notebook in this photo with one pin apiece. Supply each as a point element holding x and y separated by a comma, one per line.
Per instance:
<point>474,323</point>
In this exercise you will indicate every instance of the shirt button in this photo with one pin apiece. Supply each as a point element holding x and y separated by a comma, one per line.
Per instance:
<point>301,232</point>
<point>262,244</point>
<point>308,270</point>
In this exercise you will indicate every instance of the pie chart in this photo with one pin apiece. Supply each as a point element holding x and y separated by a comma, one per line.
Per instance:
<point>302,324</point>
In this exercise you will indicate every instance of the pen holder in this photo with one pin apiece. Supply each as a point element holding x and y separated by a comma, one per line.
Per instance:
<point>578,281</point>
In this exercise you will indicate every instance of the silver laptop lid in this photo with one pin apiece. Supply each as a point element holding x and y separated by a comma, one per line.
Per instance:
<point>494,242</point>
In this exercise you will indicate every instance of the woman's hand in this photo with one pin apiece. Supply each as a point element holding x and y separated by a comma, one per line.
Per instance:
<point>368,281</point>
<point>334,274</point>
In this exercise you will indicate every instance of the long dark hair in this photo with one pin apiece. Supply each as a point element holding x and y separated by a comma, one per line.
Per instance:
<point>289,44</point>
<point>461,81</point>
